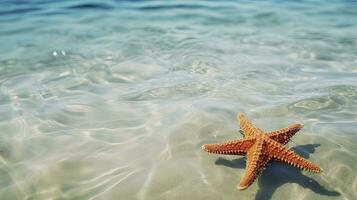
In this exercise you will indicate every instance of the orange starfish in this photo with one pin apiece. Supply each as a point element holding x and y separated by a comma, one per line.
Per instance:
<point>261,147</point>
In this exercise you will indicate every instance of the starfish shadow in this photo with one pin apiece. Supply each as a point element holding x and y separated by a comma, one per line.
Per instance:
<point>280,173</point>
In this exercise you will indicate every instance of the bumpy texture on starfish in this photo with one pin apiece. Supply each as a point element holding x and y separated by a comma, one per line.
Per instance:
<point>261,147</point>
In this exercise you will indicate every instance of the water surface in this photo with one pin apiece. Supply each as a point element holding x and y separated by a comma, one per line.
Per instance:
<point>113,99</point>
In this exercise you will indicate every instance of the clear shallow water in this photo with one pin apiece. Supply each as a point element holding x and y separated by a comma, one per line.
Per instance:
<point>113,100</point>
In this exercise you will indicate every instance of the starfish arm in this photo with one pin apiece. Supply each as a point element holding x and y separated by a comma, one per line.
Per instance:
<point>283,135</point>
<point>256,161</point>
<point>246,126</point>
<point>283,154</point>
<point>235,147</point>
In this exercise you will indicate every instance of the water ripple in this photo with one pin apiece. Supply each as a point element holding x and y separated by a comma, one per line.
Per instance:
<point>19,11</point>
<point>90,6</point>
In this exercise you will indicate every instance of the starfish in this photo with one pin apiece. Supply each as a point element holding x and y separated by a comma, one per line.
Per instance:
<point>260,148</point>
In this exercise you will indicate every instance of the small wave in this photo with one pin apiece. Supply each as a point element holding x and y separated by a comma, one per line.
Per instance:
<point>19,11</point>
<point>170,7</point>
<point>91,6</point>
